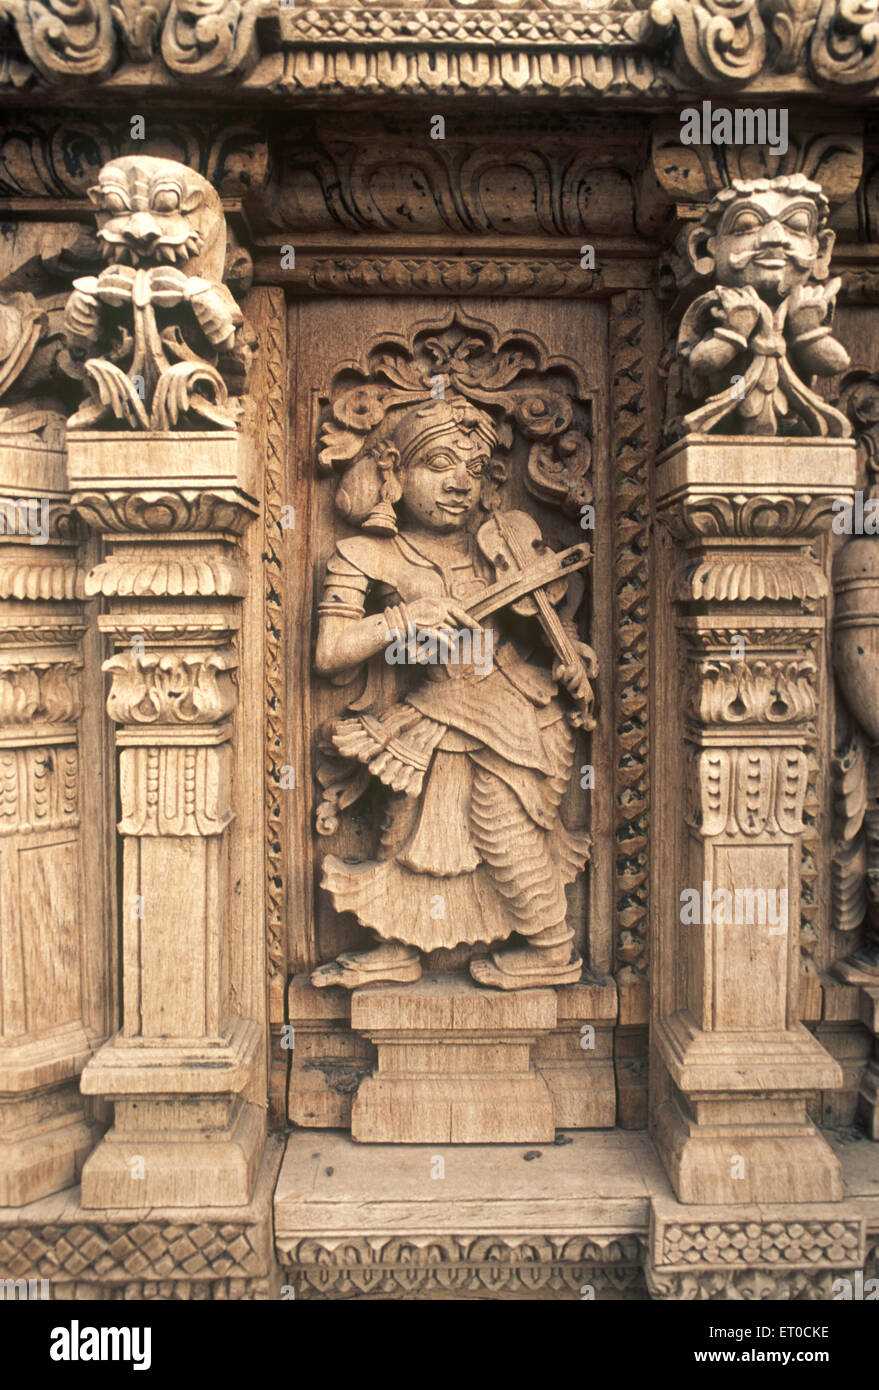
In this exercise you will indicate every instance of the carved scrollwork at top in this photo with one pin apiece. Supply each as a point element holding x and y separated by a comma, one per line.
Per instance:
<point>171,688</point>
<point>724,41</point>
<point>721,39</point>
<point>844,48</point>
<point>69,40</point>
<point>66,38</point>
<point>211,36</point>
<point>544,401</point>
<point>300,48</point>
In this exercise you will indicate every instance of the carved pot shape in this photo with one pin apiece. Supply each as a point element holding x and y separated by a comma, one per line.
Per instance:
<point>856,630</point>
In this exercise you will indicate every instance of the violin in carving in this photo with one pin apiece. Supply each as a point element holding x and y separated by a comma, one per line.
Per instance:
<point>532,580</point>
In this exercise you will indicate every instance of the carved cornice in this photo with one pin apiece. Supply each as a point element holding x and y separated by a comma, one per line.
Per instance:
<point>441,49</point>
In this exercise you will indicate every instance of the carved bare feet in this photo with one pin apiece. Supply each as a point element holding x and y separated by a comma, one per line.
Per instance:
<point>390,963</point>
<point>528,968</point>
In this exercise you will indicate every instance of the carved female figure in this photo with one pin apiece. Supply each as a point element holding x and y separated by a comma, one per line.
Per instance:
<point>477,754</point>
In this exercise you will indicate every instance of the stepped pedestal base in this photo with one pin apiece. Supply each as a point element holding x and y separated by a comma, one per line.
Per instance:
<point>454,1064</point>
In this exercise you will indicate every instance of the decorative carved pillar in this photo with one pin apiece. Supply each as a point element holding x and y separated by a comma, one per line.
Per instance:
<point>855,873</point>
<point>743,504</point>
<point>46,958</point>
<point>171,489</point>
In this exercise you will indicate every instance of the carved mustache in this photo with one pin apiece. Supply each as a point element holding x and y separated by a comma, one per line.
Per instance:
<point>741,258</point>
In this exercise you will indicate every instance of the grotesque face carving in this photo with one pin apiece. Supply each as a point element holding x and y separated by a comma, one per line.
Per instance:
<point>158,212</point>
<point>770,237</point>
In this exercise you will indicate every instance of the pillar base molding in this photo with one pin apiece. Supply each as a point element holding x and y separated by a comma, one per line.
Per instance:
<point>138,1066</point>
<point>44,1135</point>
<point>44,1142</point>
<point>754,1156</point>
<point>182,1135</point>
<point>781,1061</point>
<point>735,1129</point>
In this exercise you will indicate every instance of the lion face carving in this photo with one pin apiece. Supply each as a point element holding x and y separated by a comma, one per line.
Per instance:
<point>158,212</point>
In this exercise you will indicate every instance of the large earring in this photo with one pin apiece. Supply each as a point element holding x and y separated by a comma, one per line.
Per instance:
<point>382,519</point>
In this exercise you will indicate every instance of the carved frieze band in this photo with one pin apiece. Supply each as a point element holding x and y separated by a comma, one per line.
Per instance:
<point>826,1243</point>
<point>152,1248</point>
<point>500,1265</point>
<point>274,46</point>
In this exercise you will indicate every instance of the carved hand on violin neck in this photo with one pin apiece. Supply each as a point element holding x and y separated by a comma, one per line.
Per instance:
<point>575,676</point>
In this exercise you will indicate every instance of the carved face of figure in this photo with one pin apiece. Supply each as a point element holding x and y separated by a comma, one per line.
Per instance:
<point>155,212</point>
<point>772,238</point>
<point>442,485</point>
<point>768,240</point>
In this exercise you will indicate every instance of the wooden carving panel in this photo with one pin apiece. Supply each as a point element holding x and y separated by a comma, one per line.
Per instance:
<point>509,361</point>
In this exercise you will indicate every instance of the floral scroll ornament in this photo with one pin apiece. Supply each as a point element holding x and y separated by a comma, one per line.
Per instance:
<point>161,325</point>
